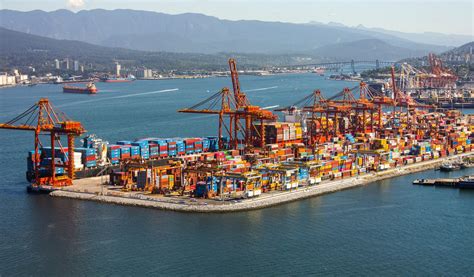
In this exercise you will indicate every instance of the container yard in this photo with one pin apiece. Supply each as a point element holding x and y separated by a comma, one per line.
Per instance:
<point>255,159</point>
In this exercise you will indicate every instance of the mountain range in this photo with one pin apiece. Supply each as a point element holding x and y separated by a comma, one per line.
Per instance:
<point>21,50</point>
<point>197,33</point>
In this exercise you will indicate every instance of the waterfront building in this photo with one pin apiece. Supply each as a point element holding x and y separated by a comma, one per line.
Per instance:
<point>117,69</point>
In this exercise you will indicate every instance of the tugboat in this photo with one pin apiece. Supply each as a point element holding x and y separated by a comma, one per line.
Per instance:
<point>450,167</point>
<point>466,182</point>
<point>89,89</point>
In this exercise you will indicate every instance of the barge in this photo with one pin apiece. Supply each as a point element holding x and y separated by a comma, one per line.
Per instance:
<point>466,182</point>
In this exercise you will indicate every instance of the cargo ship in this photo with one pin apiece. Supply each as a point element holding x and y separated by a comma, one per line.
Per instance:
<point>89,89</point>
<point>129,78</point>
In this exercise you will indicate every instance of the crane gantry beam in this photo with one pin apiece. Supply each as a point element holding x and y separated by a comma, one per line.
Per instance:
<point>43,118</point>
<point>242,115</point>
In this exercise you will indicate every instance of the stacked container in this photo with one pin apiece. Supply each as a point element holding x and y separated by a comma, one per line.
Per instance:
<point>172,148</point>
<point>113,152</point>
<point>144,150</point>
<point>154,150</point>
<point>45,166</point>
<point>163,148</point>
<point>135,152</point>
<point>189,143</point>
<point>125,152</point>
<point>213,143</point>
<point>89,158</point>
<point>180,147</point>
<point>205,145</point>
<point>198,146</point>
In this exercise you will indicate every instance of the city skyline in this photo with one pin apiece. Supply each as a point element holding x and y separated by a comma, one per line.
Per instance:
<point>448,17</point>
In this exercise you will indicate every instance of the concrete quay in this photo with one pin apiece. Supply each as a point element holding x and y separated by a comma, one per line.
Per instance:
<point>93,190</point>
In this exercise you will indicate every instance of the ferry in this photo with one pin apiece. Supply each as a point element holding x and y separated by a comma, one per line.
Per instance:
<point>89,89</point>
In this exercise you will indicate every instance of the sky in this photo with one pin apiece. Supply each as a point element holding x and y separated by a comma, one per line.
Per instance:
<point>414,16</point>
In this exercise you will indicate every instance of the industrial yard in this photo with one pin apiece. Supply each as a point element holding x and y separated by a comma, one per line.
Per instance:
<point>256,159</point>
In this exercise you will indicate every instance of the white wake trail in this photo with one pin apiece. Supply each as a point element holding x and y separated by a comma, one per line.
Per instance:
<point>143,93</point>
<point>260,89</point>
<point>118,97</point>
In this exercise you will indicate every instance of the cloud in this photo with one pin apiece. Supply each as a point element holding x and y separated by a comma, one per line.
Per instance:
<point>75,4</point>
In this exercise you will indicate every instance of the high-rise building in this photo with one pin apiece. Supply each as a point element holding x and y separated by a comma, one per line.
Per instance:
<point>67,63</point>
<point>117,69</point>
<point>76,65</point>
<point>57,65</point>
<point>82,68</point>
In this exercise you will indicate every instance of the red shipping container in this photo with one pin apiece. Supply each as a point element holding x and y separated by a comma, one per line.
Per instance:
<point>90,158</point>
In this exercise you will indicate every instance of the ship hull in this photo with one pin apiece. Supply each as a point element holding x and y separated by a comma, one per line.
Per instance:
<point>79,90</point>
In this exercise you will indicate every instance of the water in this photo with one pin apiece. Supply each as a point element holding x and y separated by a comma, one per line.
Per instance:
<point>388,228</point>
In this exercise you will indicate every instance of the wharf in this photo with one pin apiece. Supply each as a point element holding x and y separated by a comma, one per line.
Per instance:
<point>92,189</point>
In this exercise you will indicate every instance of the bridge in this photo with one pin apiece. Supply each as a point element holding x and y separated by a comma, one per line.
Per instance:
<point>337,65</point>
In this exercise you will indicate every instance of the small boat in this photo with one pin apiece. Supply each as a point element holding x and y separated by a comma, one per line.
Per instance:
<point>450,167</point>
<point>89,89</point>
<point>466,182</point>
<point>423,182</point>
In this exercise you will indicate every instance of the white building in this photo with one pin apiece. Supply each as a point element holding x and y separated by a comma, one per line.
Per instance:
<point>76,65</point>
<point>117,69</point>
<point>21,78</point>
<point>145,73</point>
<point>57,64</point>
<point>7,80</point>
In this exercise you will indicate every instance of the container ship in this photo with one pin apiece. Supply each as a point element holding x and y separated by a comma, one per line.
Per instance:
<point>89,89</point>
<point>129,78</point>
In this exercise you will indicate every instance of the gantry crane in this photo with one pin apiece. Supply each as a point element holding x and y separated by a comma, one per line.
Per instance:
<point>238,109</point>
<point>443,77</point>
<point>43,118</point>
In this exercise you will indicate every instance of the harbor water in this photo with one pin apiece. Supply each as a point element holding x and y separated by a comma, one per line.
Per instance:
<point>387,228</point>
